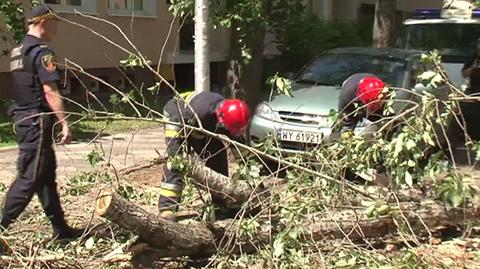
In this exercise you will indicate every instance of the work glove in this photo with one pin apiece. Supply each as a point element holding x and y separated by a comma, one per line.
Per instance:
<point>168,215</point>
<point>346,134</point>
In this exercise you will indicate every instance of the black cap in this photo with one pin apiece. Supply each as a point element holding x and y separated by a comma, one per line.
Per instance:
<point>39,13</point>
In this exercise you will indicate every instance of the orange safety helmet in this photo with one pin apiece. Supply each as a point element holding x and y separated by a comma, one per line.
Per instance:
<point>234,115</point>
<point>369,90</point>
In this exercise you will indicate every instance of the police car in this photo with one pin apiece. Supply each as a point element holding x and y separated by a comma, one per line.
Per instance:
<point>453,32</point>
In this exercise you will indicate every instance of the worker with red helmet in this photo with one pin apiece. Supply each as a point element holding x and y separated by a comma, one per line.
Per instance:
<point>216,114</point>
<point>361,97</point>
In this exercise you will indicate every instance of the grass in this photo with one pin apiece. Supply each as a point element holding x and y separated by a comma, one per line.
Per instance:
<point>89,129</point>
<point>84,130</point>
<point>7,137</point>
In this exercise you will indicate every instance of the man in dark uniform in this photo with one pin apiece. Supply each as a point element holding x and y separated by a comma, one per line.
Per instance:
<point>216,114</point>
<point>37,103</point>
<point>472,63</point>
<point>360,98</point>
<point>471,108</point>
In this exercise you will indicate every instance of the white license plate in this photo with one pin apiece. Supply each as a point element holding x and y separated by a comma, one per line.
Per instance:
<point>300,137</point>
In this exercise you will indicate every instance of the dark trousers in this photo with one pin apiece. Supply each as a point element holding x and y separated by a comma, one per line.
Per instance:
<point>36,165</point>
<point>212,150</point>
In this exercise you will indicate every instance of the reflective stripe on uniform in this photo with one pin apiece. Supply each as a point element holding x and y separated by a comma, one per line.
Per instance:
<point>188,96</point>
<point>171,133</point>
<point>172,130</point>
<point>170,190</point>
<point>172,127</point>
<point>169,193</point>
<point>171,187</point>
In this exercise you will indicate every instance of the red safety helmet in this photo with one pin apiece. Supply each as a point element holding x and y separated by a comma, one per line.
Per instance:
<point>234,115</point>
<point>369,90</point>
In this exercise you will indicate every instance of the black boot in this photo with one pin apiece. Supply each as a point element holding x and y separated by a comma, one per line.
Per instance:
<point>62,231</point>
<point>67,233</point>
<point>4,223</point>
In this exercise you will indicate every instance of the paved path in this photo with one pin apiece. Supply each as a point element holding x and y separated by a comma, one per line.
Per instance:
<point>122,150</point>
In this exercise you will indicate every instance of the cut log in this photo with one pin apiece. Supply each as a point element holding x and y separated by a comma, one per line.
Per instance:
<point>171,239</point>
<point>199,239</point>
<point>194,238</point>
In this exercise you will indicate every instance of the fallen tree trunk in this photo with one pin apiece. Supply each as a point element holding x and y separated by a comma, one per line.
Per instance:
<point>171,238</point>
<point>413,219</point>
<point>201,239</point>
<point>231,193</point>
<point>196,238</point>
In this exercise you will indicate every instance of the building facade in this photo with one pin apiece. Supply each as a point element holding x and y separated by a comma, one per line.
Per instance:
<point>89,38</point>
<point>353,10</point>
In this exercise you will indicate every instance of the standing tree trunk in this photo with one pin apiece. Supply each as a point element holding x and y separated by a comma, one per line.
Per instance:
<point>384,25</point>
<point>245,80</point>
<point>202,47</point>
<point>252,79</point>
<point>233,86</point>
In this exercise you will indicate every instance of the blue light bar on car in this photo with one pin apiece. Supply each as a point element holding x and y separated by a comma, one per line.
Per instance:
<point>428,13</point>
<point>437,13</point>
<point>476,13</point>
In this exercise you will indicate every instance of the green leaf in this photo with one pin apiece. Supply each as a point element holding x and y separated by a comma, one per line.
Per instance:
<point>410,144</point>
<point>341,264</point>
<point>408,179</point>
<point>283,86</point>
<point>428,138</point>
<point>352,261</point>
<point>90,243</point>
<point>254,172</point>
<point>383,209</point>
<point>428,75</point>
<point>456,199</point>
<point>125,98</point>
<point>370,210</point>
<point>437,79</point>
<point>344,263</point>
<point>367,203</point>
<point>278,248</point>
<point>154,87</point>
<point>398,146</point>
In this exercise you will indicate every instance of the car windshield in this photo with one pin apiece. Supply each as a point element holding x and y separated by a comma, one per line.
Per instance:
<point>334,69</point>
<point>455,39</point>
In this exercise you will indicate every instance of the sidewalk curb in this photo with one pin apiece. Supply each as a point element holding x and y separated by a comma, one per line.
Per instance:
<point>9,148</point>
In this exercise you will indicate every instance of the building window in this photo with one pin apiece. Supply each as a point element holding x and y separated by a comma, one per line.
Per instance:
<point>142,8</point>
<point>186,42</point>
<point>77,3</point>
<point>70,6</point>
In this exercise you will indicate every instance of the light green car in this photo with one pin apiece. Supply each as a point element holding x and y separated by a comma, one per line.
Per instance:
<point>302,122</point>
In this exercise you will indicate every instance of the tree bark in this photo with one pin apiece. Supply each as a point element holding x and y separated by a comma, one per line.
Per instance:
<point>203,239</point>
<point>231,194</point>
<point>413,217</point>
<point>192,239</point>
<point>202,46</point>
<point>245,80</point>
<point>384,25</point>
<point>233,87</point>
<point>252,79</point>
<point>172,239</point>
